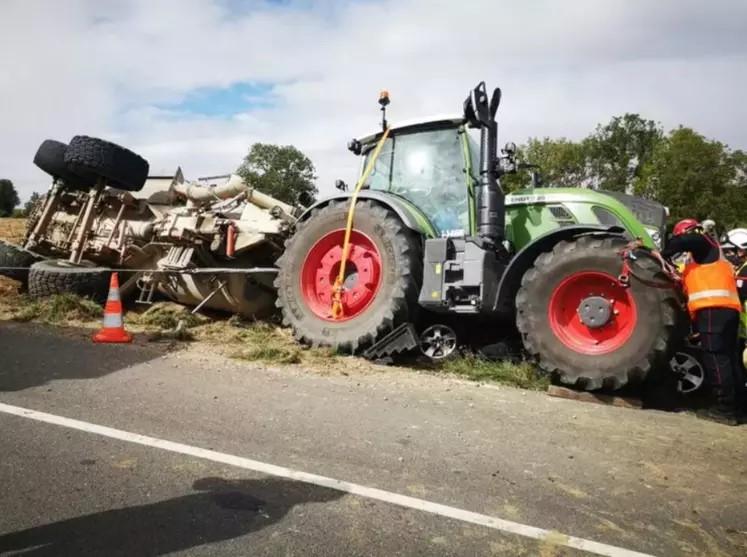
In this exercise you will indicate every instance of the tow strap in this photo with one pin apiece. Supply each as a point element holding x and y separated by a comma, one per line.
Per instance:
<point>627,254</point>
<point>337,311</point>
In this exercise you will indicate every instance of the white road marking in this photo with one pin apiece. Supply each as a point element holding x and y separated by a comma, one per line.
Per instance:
<point>323,481</point>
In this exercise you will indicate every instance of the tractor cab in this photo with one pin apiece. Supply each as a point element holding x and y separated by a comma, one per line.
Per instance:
<point>428,163</point>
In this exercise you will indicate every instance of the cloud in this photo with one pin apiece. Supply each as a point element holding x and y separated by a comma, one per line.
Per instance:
<point>132,71</point>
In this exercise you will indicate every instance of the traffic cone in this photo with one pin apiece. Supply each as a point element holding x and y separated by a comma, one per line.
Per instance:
<point>113,329</point>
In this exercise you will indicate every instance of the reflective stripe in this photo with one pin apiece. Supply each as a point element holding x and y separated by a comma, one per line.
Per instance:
<point>112,320</point>
<point>113,295</point>
<point>703,294</point>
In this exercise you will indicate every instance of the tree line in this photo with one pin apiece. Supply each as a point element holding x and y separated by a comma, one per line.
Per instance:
<point>692,175</point>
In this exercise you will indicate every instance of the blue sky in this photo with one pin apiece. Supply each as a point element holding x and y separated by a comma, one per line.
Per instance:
<point>196,82</point>
<point>222,102</point>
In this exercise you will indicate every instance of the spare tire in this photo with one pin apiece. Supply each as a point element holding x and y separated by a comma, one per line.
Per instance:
<point>587,329</point>
<point>50,157</point>
<point>15,261</point>
<point>121,168</point>
<point>383,272</point>
<point>56,276</point>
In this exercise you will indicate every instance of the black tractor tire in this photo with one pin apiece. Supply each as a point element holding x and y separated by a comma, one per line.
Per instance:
<point>54,276</point>
<point>121,168</point>
<point>393,303</point>
<point>50,157</point>
<point>651,333</point>
<point>15,261</point>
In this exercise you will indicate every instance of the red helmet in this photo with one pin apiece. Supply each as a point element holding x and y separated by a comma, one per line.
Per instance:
<point>685,226</point>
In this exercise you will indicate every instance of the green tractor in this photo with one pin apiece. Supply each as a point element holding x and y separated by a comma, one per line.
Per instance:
<point>437,251</point>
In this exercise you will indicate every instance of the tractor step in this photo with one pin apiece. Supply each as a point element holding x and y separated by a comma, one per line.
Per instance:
<point>401,339</point>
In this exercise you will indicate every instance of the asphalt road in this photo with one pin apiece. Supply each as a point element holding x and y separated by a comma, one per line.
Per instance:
<point>646,481</point>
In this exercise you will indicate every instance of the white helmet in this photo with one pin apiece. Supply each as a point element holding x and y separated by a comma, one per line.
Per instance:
<point>738,237</point>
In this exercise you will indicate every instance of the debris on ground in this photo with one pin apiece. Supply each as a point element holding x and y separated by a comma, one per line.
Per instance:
<point>60,308</point>
<point>166,316</point>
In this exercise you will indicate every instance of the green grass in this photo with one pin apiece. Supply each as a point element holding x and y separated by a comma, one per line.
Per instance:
<point>522,374</point>
<point>60,308</point>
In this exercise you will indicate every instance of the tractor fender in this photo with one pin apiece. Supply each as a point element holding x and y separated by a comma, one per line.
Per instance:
<point>412,217</point>
<point>522,261</point>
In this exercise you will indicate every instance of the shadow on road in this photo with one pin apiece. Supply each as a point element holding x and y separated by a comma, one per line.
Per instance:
<point>31,355</point>
<point>222,510</point>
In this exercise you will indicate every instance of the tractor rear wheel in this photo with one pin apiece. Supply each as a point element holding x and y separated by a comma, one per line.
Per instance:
<point>583,326</point>
<point>382,275</point>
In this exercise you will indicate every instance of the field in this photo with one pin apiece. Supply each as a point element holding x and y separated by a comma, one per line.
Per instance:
<point>12,230</point>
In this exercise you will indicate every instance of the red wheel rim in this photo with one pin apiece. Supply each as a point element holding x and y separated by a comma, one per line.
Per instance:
<point>322,265</point>
<point>567,325</point>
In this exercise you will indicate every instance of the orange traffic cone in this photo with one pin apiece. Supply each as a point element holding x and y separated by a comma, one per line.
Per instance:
<point>113,329</point>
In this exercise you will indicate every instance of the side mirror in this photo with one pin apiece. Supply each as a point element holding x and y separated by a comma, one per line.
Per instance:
<point>536,179</point>
<point>355,146</point>
<point>305,199</point>
<point>341,185</point>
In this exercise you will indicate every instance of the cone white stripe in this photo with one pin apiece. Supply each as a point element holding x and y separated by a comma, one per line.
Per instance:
<point>113,295</point>
<point>112,320</point>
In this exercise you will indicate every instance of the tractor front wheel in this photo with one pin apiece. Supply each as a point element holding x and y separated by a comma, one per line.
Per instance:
<point>583,326</point>
<point>381,276</point>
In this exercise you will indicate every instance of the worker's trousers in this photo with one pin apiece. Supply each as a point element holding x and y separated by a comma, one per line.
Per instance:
<point>718,328</point>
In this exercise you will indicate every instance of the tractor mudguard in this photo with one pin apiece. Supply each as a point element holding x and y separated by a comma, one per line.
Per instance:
<point>412,217</point>
<point>523,260</point>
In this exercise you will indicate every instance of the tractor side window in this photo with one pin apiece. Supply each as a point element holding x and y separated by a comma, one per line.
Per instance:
<point>427,168</point>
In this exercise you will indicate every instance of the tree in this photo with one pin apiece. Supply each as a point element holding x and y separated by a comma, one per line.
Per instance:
<point>8,198</point>
<point>29,205</point>
<point>696,178</point>
<point>618,151</point>
<point>562,163</point>
<point>281,171</point>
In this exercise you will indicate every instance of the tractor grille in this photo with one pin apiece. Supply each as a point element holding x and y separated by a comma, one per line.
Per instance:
<point>561,214</point>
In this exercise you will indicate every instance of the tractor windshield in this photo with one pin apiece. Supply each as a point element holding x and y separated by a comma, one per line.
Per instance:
<point>427,167</point>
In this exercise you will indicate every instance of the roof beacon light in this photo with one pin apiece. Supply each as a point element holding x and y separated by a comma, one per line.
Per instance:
<point>383,102</point>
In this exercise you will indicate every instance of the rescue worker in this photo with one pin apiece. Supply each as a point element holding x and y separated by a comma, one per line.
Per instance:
<point>713,303</point>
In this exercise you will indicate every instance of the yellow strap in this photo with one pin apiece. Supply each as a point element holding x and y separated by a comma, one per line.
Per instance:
<point>337,288</point>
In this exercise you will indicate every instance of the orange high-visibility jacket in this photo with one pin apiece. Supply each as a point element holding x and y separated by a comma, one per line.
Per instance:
<point>710,285</point>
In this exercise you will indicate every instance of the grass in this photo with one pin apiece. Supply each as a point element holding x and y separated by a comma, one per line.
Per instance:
<point>166,315</point>
<point>260,341</point>
<point>521,374</point>
<point>60,308</point>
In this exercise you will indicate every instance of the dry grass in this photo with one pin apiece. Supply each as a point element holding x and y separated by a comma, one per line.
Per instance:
<point>12,230</point>
<point>262,342</point>
<point>522,374</point>
<point>61,308</point>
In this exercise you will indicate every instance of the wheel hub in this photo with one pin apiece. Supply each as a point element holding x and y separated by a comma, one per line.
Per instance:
<point>438,342</point>
<point>363,271</point>
<point>691,375</point>
<point>595,312</point>
<point>591,313</point>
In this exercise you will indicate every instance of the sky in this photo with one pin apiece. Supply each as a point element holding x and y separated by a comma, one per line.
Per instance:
<point>195,82</point>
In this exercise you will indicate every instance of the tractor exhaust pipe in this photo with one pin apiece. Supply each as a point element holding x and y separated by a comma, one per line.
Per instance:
<point>480,113</point>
